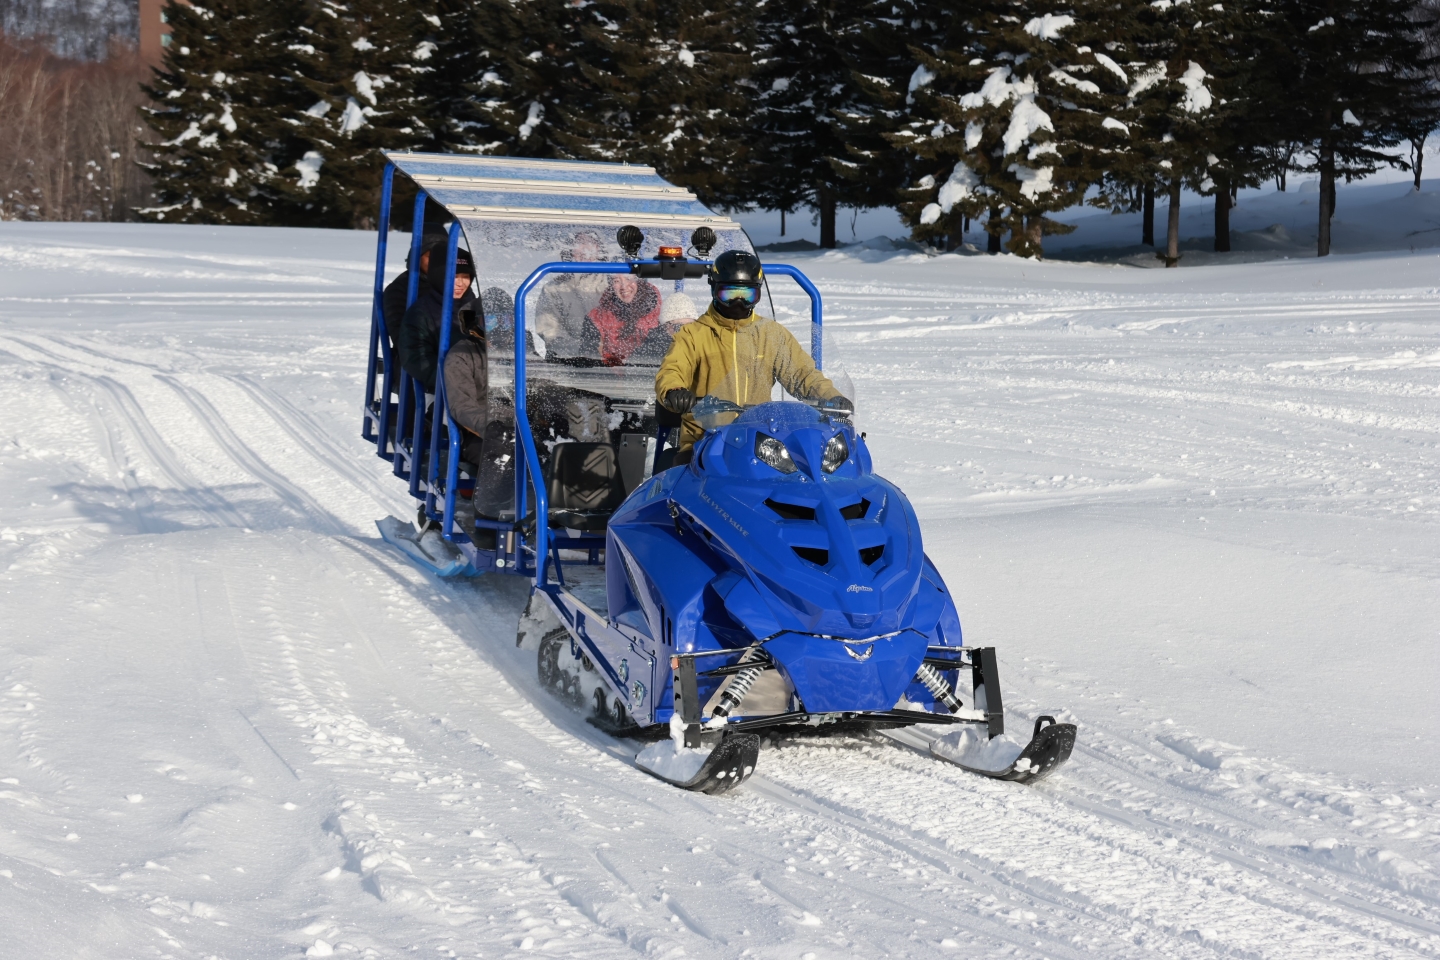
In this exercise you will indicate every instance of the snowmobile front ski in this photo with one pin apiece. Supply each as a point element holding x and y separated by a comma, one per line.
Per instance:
<point>1047,750</point>
<point>727,766</point>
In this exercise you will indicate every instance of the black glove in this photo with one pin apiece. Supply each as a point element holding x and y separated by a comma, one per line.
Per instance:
<point>679,400</point>
<point>839,405</point>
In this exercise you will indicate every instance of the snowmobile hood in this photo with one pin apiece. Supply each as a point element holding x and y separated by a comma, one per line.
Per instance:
<point>814,545</point>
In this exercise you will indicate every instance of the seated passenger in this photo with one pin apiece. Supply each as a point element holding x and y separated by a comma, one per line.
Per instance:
<point>467,384</point>
<point>734,354</point>
<point>392,301</point>
<point>487,439</point>
<point>675,312</point>
<point>499,318</point>
<point>566,298</point>
<point>627,315</point>
<point>418,343</point>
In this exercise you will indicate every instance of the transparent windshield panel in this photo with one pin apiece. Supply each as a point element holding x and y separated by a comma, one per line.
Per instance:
<point>595,341</point>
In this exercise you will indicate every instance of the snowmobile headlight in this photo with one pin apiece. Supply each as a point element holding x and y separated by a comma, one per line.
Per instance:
<point>773,452</point>
<point>837,451</point>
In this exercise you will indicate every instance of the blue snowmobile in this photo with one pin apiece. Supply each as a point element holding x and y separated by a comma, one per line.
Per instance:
<point>773,583</point>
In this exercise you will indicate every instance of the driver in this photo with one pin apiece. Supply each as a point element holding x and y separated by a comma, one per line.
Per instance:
<point>732,353</point>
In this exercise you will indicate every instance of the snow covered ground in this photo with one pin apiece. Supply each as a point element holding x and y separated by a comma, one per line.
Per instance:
<point>1197,510</point>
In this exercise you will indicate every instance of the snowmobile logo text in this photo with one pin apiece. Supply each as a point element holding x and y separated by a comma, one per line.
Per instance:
<point>858,588</point>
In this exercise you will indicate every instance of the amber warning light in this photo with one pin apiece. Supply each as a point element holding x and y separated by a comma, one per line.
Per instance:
<point>672,253</point>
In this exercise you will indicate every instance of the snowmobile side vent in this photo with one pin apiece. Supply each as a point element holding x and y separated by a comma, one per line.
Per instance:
<point>813,555</point>
<point>791,511</point>
<point>856,511</point>
<point>869,555</point>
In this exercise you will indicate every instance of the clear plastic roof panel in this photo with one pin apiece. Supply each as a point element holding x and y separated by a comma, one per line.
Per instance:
<point>554,191</point>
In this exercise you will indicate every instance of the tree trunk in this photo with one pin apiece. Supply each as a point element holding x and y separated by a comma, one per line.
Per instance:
<point>825,196</point>
<point>1419,164</point>
<point>1327,197</point>
<point>1222,215</point>
<point>1172,227</point>
<point>1035,233</point>
<point>1147,229</point>
<point>992,244</point>
<point>782,223</point>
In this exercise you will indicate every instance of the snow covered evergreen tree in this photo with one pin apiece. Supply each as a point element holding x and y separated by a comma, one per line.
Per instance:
<point>446,95</point>
<point>665,84</point>
<point>531,82</point>
<point>880,41</point>
<point>1174,116</point>
<point>368,66</point>
<point>1020,108</point>
<point>220,105</point>
<point>803,80</point>
<point>1356,82</point>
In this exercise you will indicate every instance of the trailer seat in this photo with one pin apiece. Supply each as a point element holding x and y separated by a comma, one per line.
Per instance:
<point>584,486</point>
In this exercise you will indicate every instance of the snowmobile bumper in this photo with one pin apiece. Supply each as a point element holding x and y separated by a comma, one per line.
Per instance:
<point>990,754</point>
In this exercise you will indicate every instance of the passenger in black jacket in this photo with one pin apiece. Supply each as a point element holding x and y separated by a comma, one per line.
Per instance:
<point>392,300</point>
<point>418,343</point>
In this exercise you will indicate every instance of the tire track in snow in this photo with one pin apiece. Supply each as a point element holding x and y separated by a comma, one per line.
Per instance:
<point>314,440</point>
<point>1268,863</point>
<point>298,425</point>
<point>1176,897</point>
<point>205,499</point>
<point>128,418</point>
<point>1113,772</point>
<point>245,458</point>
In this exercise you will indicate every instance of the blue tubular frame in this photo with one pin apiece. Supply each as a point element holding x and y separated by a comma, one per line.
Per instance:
<point>379,434</point>
<point>409,409</point>
<point>529,463</point>
<point>452,468</point>
<point>785,270</point>
<point>411,394</point>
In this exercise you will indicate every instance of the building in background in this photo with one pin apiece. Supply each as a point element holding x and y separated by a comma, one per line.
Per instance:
<point>154,30</point>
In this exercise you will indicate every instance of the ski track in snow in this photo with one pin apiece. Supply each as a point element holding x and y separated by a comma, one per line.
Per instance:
<point>234,723</point>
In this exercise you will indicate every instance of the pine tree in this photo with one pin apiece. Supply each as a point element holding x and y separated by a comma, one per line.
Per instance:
<point>1357,80</point>
<point>803,83</point>
<point>1021,104</point>
<point>367,64</point>
<point>225,153</point>
<point>1175,116</point>
<point>531,80</point>
<point>881,42</point>
<point>663,83</point>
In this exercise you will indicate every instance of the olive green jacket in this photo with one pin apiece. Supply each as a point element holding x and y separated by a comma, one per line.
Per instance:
<point>740,361</point>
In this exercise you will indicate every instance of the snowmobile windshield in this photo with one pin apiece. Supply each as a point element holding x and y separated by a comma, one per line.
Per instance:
<point>588,336</point>
<point>712,412</point>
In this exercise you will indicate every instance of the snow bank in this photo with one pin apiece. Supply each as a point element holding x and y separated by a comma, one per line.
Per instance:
<point>972,747</point>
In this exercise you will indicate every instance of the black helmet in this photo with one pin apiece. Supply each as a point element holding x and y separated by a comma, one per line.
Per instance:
<point>735,269</point>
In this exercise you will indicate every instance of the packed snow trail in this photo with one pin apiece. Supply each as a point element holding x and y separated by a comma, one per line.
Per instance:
<point>234,723</point>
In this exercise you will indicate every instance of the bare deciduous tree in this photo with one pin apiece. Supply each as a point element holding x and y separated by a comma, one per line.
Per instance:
<point>71,134</point>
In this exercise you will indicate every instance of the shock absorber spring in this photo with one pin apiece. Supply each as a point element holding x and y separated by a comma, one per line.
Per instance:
<point>937,686</point>
<point>734,694</point>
